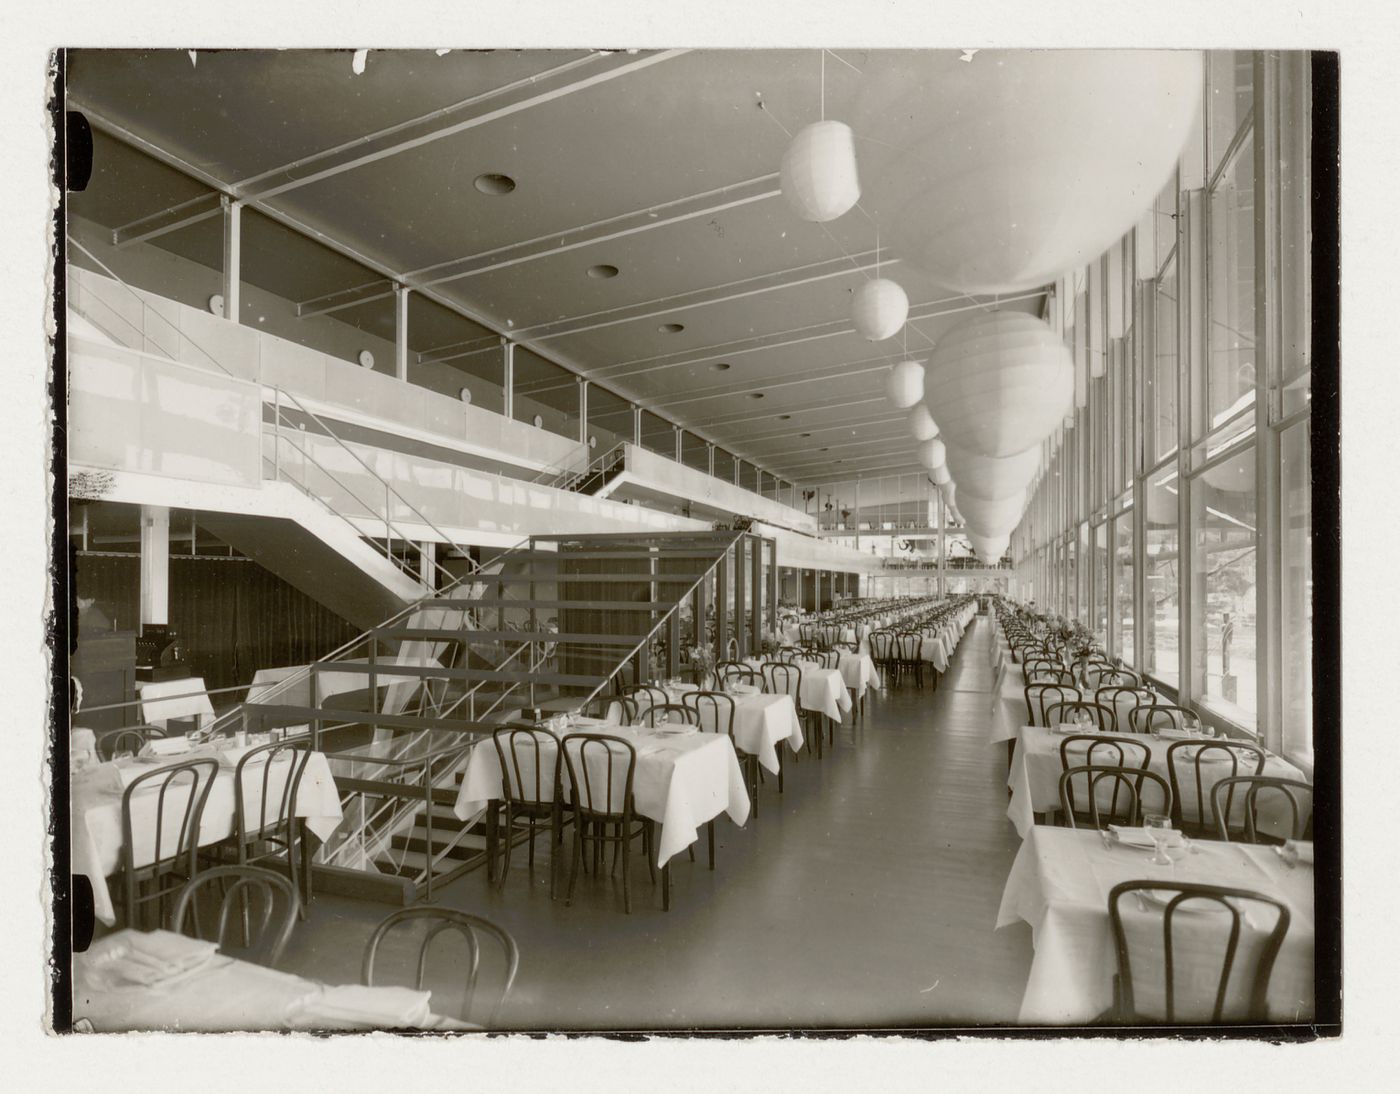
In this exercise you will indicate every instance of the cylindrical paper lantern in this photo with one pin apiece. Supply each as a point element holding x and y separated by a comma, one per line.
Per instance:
<point>989,548</point>
<point>942,477</point>
<point>932,454</point>
<point>879,308</point>
<point>1001,381</point>
<point>905,385</point>
<point>921,422</point>
<point>989,477</point>
<point>992,516</point>
<point>818,173</point>
<point>999,173</point>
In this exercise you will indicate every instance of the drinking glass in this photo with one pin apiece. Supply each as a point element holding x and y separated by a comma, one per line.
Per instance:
<point>1158,826</point>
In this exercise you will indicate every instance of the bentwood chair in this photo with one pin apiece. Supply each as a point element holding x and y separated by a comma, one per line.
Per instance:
<point>1290,798</point>
<point>601,769</point>
<point>660,714</point>
<point>1160,716</point>
<point>1100,808</point>
<point>530,791</point>
<point>882,652</point>
<point>715,713</point>
<point>788,654</point>
<point>261,934</point>
<point>645,695</point>
<point>1223,976</point>
<point>163,854</point>
<point>1197,766</point>
<point>267,830</point>
<point>614,709</point>
<point>132,739</point>
<point>1040,696</point>
<point>1068,712</point>
<point>736,672</point>
<point>1122,698</point>
<point>1042,675</point>
<point>474,931</point>
<point>784,679</point>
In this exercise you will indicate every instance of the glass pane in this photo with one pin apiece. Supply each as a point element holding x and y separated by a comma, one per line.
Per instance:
<point>1224,605</point>
<point>1230,364</point>
<point>1162,377</point>
<point>1296,588</point>
<point>1163,580</point>
<point>1100,624</point>
<point>1230,79</point>
<point>1071,574</point>
<point>1164,222</point>
<point>1084,567</point>
<point>1295,224</point>
<point>1123,590</point>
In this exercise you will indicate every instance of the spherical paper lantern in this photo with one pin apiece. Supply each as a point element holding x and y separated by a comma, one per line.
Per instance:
<point>992,516</point>
<point>999,173</point>
<point>818,173</point>
<point>921,422</point>
<point>943,477</point>
<point>879,308</point>
<point>1001,381</point>
<point>905,385</point>
<point>933,454</point>
<point>989,476</point>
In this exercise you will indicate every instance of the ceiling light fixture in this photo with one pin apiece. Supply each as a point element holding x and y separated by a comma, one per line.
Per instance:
<point>602,271</point>
<point>755,395</point>
<point>721,366</point>
<point>671,328</point>
<point>494,184</point>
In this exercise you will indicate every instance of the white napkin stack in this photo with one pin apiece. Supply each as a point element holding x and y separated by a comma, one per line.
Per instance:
<point>1139,837</point>
<point>146,960</point>
<point>166,746</point>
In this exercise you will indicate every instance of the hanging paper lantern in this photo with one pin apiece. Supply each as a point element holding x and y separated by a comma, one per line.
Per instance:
<point>999,173</point>
<point>932,454</point>
<point>905,384</point>
<point>921,422</point>
<point>993,516</point>
<point>943,477</point>
<point>989,548</point>
<point>990,477</point>
<point>1001,381</point>
<point>818,172</point>
<point>879,308</point>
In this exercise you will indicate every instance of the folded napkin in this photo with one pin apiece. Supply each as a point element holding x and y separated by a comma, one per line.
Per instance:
<point>166,746</point>
<point>1171,733</point>
<point>147,959</point>
<point>356,1005</point>
<point>1299,850</point>
<point>1138,837</point>
<point>743,689</point>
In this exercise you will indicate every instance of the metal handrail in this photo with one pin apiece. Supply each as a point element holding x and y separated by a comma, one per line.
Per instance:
<point>564,480</point>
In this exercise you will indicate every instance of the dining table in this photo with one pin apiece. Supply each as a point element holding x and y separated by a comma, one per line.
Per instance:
<point>96,810</point>
<point>1059,885</point>
<point>820,689</point>
<point>859,672</point>
<point>1034,777</point>
<point>684,778</point>
<point>160,981</point>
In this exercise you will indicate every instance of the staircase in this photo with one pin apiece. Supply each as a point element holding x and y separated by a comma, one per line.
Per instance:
<point>546,626</point>
<point>597,478</point>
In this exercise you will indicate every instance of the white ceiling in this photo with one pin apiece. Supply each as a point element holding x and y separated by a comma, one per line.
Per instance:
<point>674,152</point>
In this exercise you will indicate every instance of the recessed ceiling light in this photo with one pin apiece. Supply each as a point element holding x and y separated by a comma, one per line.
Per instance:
<point>755,395</point>
<point>494,184</point>
<point>826,450</point>
<point>721,366</point>
<point>804,434</point>
<point>602,271</point>
<point>671,328</point>
<point>784,417</point>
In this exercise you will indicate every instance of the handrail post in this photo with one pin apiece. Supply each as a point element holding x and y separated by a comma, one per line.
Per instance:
<point>277,434</point>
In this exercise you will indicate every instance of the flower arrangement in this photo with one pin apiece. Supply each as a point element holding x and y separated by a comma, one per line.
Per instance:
<point>701,659</point>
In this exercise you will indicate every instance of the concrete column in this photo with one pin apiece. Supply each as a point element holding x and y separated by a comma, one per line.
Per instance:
<point>155,564</point>
<point>942,544</point>
<point>857,512</point>
<point>508,377</point>
<point>680,437</point>
<point>710,455</point>
<point>233,257</point>
<point>582,411</point>
<point>637,426</point>
<point>401,332</point>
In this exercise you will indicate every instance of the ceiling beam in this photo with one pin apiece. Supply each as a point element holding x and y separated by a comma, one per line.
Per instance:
<point>408,135</point>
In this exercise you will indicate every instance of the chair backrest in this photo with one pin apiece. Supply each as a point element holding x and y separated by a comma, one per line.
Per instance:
<point>600,769</point>
<point>1040,696</point>
<point>788,654</point>
<point>881,646</point>
<point>1155,717</point>
<point>1123,698</point>
<point>1287,807</point>
<point>265,787</point>
<point>1068,710</point>
<point>473,929</point>
<point>1110,794</point>
<point>1234,990</point>
<point>614,709</point>
<point>181,791</point>
<point>714,711</point>
<point>132,739</point>
<point>529,758</point>
<point>1195,767</point>
<point>1097,748</point>
<point>910,646</point>
<point>781,679</point>
<point>735,670</point>
<point>731,649</point>
<point>645,695</point>
<point>1042,675</point>
<point>661,714</point>
<point>829,659</point>
<point>806,631</point>
<point>263,903</point>
<point>1036,664</point>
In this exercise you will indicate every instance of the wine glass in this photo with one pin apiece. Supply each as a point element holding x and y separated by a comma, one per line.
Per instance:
<point>1158,827</point>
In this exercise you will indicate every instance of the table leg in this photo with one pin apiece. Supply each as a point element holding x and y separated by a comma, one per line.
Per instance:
<point>492,841</point>
<point>666,887</point>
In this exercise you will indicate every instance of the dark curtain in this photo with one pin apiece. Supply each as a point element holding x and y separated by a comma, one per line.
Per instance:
<point>233,617</point>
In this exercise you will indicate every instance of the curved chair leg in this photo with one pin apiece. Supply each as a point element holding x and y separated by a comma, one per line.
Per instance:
<point>505,852</point>
<point>577,858</point>
<point>710,831</point>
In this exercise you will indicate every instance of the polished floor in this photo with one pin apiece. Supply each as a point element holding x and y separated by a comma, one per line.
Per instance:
<point>864,896</point>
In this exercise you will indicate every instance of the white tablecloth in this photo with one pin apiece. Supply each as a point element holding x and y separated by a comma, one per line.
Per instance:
<point>97,815</point>
<point>859,672</point>
<point>224,996</point>
<point>761,722</point>
<point>934,650</point>
<point>822,690</point>
<point>1060,882</point>
<point>1035,777</point>
<point>682,782</point>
